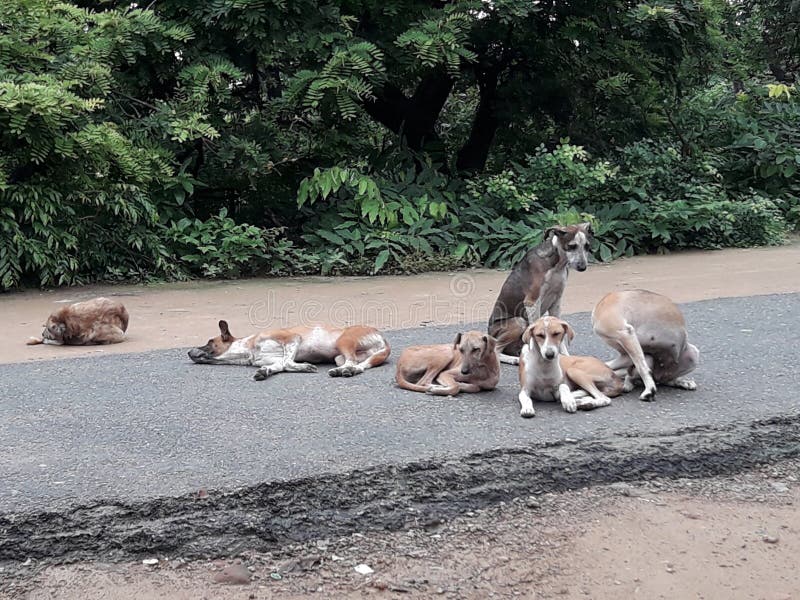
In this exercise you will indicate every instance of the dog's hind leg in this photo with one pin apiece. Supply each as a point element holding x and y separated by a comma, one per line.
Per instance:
<point>587,388</point>
<point>107,334</point>
<point>620,363</point>
<point>626,337</point>
<point>509,340</point>
<point>359,354</point>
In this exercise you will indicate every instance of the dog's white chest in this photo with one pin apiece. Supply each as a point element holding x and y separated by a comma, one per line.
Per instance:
<point>541,380</point>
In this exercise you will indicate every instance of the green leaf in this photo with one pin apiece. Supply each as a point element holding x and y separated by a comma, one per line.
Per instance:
<point>380,260</point>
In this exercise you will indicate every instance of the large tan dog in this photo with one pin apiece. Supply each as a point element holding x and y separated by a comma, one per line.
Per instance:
<point>535,286</point>
<point>96,321</point>
<point>649,332</point>
<point>469,364</point>
<point>544,374</point>
<point>296,350</point>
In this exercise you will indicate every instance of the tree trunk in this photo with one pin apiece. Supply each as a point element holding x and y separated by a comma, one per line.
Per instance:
<point>472,156</point>
<point>414,119</point>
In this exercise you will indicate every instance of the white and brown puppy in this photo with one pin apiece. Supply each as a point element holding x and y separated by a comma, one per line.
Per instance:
<point>96,321</point>
<point>649,332</point>
<point>297,350</point>
<point>544,374</point>
<point>469,364</point>
<point>535,286</point>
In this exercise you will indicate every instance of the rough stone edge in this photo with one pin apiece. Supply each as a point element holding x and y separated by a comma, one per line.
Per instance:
<point>392,497</point>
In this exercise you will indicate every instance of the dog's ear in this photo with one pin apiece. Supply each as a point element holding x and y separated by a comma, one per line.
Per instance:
<point>546,248</point>
<point>569,333</point>
<point>457,341</point>
<point>587,228</point>
<point>558,230</point>
<point>225,331</point>
<point>489,345</point>
<point>527,334</point>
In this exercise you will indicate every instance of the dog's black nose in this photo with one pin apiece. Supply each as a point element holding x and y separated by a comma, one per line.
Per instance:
<point>581,267</point>
<point>549,354</point>
<point>464,371</point>
<point>195,353</point>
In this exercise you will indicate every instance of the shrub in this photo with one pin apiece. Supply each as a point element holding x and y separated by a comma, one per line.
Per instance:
<point>218,247</point>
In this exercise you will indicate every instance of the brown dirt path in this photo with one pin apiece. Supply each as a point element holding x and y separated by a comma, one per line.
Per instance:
<point>181,315</point>
<point>726,538</point>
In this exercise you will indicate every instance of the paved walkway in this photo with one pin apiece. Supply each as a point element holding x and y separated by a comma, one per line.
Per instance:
<point>138,426</point>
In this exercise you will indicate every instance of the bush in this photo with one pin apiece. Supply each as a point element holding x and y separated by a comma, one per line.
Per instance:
<point>218,247</point>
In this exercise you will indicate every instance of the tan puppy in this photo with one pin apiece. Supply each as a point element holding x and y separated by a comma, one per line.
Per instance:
<point>469,364</point>
<point>295,349</point>
<point>576,381</point>
<point>96,321</point>
<point>649,332</point>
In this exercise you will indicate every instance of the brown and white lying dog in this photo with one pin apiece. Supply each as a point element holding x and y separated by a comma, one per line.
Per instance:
<point>544,374</point>
<point>297,350</point>
<point>649,332</point>
<point>469,364</point>
<point>96,321</point>
<point>535,286</point>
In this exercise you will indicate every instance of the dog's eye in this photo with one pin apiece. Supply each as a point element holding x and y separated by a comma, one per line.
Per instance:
<point>572,246</point>
<point>540,336</point>
<point>586,246</point>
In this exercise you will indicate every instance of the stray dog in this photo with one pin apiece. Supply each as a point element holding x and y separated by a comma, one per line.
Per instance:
<point>649,332</point>
<point>545,374</point>
<point>96,321</point>
<point>535,285</point>
<point>469,364</point>
<point>296,350</point>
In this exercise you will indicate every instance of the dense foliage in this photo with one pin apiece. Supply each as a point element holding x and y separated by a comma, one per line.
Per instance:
<point>237,137</point>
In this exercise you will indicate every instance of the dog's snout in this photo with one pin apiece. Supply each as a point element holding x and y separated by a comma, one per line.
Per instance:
<point>195,353</point>
<point>465,370</point>
<point>581,267</point>
<point>549,354</point>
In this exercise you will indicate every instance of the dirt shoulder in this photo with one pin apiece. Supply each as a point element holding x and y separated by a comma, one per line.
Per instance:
<point>182,315</point>
<point>717,538</point>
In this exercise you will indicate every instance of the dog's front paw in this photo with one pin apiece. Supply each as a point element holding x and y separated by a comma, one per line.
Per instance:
<point>569,404</point>
<point>648,395</point>
<point>526,412</point>
<point>261,375</point>
<point>684,384</point>
<point>599,402</point>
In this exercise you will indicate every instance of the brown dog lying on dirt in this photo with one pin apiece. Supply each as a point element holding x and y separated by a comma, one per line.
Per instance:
<point>469,364</point>
<point>96,321</point>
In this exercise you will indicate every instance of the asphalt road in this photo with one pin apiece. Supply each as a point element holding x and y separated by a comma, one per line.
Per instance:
<point>140,426</point>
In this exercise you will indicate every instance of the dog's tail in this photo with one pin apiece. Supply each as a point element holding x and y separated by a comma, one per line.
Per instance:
<point>404,383</point>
